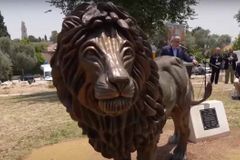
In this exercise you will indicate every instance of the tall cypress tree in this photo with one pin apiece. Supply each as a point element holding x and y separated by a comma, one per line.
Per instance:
<point>3,28</point>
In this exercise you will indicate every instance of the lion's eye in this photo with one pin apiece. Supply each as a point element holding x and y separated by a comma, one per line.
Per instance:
<point>92,55</point>
<point>127,55</point>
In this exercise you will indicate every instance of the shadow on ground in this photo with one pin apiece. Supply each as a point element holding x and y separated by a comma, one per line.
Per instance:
<point>164,152</point>
<point>38,97</point>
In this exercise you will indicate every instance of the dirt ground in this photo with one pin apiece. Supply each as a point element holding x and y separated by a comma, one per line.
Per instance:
<point>29,117</point>
<point>223,148</point>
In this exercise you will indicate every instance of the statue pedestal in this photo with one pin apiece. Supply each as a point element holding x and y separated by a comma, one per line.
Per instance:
<point>208,120</point>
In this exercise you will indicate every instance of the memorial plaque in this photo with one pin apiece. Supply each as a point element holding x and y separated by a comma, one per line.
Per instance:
<point>209,118</point>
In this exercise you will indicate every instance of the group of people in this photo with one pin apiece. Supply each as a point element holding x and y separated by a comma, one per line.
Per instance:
<point>218,61</point>
<point>226,61</point>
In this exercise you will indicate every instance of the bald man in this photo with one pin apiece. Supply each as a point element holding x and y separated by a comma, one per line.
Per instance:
<point>175,50</point>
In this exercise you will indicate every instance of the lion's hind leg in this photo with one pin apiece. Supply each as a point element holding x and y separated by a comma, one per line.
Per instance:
<point>181,120</point>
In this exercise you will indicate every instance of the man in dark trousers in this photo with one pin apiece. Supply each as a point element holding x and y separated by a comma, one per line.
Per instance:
<point>215,63</point>
<point>174,49</point>
<point>230,60</point>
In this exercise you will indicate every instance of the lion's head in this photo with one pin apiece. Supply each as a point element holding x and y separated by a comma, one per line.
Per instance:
<point>105,77</point>
<point>102,61</point>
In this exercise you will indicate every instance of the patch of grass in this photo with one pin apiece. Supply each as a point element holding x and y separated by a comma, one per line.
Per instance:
<point>32,121</point>
<point>69,131</point>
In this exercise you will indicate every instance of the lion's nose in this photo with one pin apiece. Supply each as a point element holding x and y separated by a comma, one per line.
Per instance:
<point>119,82</point>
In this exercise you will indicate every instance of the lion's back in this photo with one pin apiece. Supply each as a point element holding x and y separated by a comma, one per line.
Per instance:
<point>174,81</point>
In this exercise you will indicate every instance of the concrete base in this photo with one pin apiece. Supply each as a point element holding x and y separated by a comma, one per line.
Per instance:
<point>208,120</point>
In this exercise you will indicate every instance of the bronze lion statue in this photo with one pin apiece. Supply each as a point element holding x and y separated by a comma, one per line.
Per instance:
<point>109,84</point>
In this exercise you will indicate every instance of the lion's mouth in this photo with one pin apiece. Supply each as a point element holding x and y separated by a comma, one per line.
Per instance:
<point>115,106</point>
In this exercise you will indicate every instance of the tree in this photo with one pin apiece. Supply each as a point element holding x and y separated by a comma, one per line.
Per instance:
<point>224,40</point>
<point>150,14</point>
<point>159,38</point>
<point>201,37</point>
<point>5,66</point>
<point>23,58</point>
<point>190,41</point>
<point>237,16</point>
<point>33,39</point>
<point>45,38</point>
<point>3,28</point>
<point>5,45</point>
<point>236,44</point>
<point>39,48</point>
<point>53,37</point>
<point>24,63</point>
<point>213,41</point>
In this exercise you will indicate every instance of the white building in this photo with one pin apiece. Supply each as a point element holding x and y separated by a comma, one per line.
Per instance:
<point>47,72</point>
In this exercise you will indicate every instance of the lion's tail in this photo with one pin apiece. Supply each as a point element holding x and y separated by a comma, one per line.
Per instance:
<point>207,93</point>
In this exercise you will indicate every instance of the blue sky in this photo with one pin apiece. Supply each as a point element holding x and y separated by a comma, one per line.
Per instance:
<point>215,15</point>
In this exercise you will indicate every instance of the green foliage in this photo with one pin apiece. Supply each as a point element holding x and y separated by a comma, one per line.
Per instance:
<point>201,37</point>
<point>198,55</point>
<point>39,48</point>
<point>23,55</point>
<point>5,44</point>
<point>3,28</point>
<point>150,14</point>
<point>237,16</point>
<point>200,40</point>
<point>24,62</point>
<point>25,41</point>
<point>190,41</point>
<point>40,58</point>
<point>236,44</point>
<point>5,66</point>
<point>23,58</point>
<point>224,40</point>
<point>213,41</point>
<point>27,49</point>
<point>31,38</point>
<point>159,37</point>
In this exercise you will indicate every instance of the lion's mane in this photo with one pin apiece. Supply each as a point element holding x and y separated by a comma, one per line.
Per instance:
<point>119,135</point>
